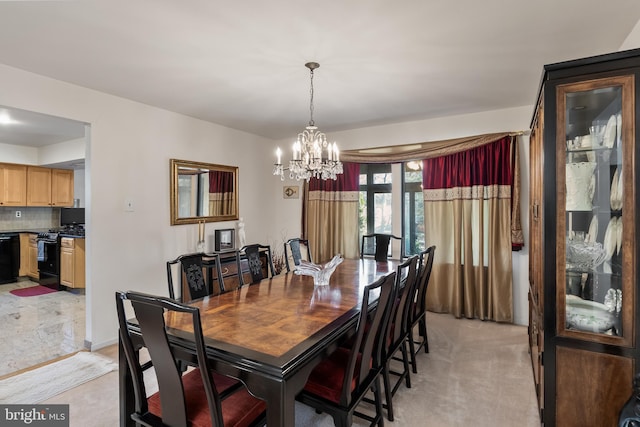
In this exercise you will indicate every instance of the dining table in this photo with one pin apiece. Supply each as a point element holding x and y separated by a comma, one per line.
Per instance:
<point>269,335</point>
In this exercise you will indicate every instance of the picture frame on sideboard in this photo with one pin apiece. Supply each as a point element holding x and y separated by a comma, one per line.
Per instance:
<point>225,239</point>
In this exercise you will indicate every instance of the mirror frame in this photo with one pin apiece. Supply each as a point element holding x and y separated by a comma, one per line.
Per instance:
<point>175,164</point>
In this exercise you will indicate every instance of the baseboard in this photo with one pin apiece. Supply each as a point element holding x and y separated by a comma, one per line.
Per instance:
<point>97,346</point>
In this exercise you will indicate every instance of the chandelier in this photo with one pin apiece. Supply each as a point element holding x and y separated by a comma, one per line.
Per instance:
<point>313,156</point>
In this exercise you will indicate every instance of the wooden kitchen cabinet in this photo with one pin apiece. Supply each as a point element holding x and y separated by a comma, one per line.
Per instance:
<point>24,254</point>
<point>23,185</point>
<point>583,331</point>
<point>13,185</point>
<point>32,257</point>
<point>72,264</point>
<point>61,187</point>
<point>49,187</point>
<point>38,186</point>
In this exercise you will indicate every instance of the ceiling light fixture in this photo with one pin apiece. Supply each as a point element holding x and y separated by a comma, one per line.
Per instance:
<point>5,118</point>
<point>313,156</point>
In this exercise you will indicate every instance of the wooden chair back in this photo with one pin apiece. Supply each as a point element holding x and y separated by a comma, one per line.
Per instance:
<point>295,248</point>
<point>254,254</point>
<point>372,323</point>
<point>196,279</point>
<point>378,245</point>
<point>149,312</point>
<point>424,274</point>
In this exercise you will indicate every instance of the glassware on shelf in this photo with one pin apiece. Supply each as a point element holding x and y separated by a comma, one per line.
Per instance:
<point>583,255</point>
<point>596,130</point>
<point>589,316</point>
<point>579,184</point>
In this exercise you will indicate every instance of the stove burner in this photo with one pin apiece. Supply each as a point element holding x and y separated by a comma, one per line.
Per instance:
<point>49,236</point>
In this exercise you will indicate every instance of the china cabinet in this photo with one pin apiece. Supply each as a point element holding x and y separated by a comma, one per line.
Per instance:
<point>583,305</point>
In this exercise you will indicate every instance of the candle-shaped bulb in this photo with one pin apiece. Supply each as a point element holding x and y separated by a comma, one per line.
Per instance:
<point>278,154</point>
<point>297,149</point>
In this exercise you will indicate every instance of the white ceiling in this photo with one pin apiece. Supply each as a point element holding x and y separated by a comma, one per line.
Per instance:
<point>241,64</point>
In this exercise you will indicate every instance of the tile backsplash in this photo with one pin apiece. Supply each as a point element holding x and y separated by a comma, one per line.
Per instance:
<point>30,218</point>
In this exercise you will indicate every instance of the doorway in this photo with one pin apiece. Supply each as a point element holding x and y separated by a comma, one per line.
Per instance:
<point>41,327</point>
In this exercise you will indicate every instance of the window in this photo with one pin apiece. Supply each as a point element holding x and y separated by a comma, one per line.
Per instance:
<point>375,200</point>
<point>376,193</point>
<point>413,208</point>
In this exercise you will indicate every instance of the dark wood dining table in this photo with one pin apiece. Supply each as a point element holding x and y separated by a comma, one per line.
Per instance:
<point>270,335</point>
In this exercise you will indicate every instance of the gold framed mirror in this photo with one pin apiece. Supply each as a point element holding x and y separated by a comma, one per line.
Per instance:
<point>203,192</point>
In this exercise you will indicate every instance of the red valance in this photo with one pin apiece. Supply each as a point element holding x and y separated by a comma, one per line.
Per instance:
<point>488,164</point>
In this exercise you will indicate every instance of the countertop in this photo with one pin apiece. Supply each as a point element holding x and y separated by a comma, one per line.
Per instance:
<point>36,231</point>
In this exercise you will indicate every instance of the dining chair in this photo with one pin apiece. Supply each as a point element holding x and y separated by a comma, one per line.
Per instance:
<point>192,276</point>
<point>199,397</point>
<point>398,332</point>
<point>294,247</point>
<point>340,382</point>
<point>378,245</point>
<point>254,254</point>
<point>418,308</point>
<point>231,269</point>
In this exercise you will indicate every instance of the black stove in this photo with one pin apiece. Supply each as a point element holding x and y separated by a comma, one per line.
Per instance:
<point>49,259</point>
<point>49,253</point>
<point>71,230</point>
<point>50,236</point>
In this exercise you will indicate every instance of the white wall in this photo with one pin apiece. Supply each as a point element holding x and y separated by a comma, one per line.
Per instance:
<point>62,152</point>
<point>16,154</point>
<point>633,39</point>
<point>128,154</point>
<point>513,119</point>
<point>79,187</point>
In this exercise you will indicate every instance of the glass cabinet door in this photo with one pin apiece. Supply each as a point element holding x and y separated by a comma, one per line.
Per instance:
<point>595,210</point>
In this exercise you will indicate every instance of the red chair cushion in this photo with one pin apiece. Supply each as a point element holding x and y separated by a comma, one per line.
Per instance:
<point>327,378</point>
<point>240,409</point>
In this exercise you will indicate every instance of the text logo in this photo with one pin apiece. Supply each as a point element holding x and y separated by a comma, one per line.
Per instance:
<point>34,415</point>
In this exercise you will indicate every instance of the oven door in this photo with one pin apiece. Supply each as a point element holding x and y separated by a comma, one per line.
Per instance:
<point>49,262</point>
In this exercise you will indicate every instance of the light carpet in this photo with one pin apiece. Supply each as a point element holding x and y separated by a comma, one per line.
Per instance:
<point>42,383</point>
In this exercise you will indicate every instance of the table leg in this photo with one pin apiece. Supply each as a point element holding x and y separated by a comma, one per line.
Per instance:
<point>279,394</point>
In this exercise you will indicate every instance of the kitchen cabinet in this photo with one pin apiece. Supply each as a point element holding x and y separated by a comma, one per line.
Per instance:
<point>24,254</point>
<point>583,332</point>
<point>72,263</point>
<point>32,257</point>
<point>61,187</point>
<point>38,186</point>
<point>49,187</point>
<point>13,185</point>
<point>23,185</point>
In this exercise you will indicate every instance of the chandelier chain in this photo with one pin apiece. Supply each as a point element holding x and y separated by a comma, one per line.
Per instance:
<point>311,122</point>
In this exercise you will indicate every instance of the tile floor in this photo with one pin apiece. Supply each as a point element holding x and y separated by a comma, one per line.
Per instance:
<point>39,328</point>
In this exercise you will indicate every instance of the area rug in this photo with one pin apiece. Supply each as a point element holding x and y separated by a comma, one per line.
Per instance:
<point>32,291</point>
<point>49,380</point>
